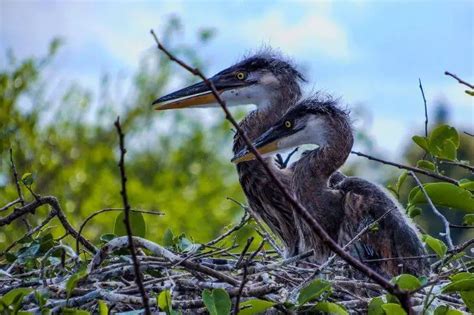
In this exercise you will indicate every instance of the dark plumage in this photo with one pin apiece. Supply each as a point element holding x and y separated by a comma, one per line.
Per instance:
<point>351,203</point>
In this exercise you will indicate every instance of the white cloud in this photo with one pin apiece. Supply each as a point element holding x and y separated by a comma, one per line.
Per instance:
<point>314,32</point>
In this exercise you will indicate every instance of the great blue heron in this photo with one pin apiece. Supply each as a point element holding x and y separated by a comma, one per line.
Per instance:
<point>272,83</point>
<point>353,203</point>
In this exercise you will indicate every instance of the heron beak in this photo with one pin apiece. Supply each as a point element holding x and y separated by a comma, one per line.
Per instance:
<point>246,155</point>
<point>191,96</point>
<point>199,94</point>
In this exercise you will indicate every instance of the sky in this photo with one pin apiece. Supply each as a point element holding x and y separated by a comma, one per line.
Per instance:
<point>368,53</point>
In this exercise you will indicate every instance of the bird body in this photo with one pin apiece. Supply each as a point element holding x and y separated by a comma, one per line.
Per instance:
<point>271,82</point>
<point>352,203</point>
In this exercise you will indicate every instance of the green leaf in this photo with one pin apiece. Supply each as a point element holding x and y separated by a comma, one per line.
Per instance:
<point>461,276</point>
<point>468,298</point>
<point>254,306</point>
<point>103,308</point>
<point>14,298</point>
<point>137,223</point>
<point>217,302</point>
<point>466,184</point>
<point>107,237</point>
<point>393,309</point>
<point>407,282</point>
<point>442,133</point>
<point>427,165</point>
<point>164,301</point>
<point>330,308</point>
<point>443,142</point>
<point>446,310</point>
<point>313,290</point>
<point>73,280</point>
<point>436,245</point>
<point>461,285</point>
<point>414,211</point>
<point>422,142</point>
<point>27,179</point>
<point>375,306</point>
<point>443,194</point>
<point>468,219</point>
<point>168,238</point>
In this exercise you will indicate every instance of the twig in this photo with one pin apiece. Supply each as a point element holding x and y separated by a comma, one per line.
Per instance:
<point>50,216</point>
<point>426,109</point>
<point>468,167</point>
<point>447,231</point>
<point>244,251</point>
<point>126,221</point>
<point>469,134</point>
<point>18,188</point>
<point>120,242</point>
<point>10,204</point>
<point>108,210</point>
<point>53,202</point>
<point>457,226</point>
<point>241,288</point>
<point>410,168</point>
<point>300,210</point>
<point>243,221</point>
<point>262,231</point>
<point>461,81</point>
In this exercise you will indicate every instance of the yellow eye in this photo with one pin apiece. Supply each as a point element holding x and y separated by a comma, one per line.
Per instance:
<point>288,124</point>
<point>241,75</point>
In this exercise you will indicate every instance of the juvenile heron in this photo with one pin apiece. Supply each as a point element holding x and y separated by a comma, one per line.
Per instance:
<point>352,204</point>
<point>272,83</point>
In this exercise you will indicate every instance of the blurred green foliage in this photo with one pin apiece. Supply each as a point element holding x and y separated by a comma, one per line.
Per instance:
<point>175,161</point>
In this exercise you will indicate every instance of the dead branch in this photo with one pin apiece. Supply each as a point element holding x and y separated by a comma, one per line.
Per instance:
<point>126,221</point>
<point>409,168</point>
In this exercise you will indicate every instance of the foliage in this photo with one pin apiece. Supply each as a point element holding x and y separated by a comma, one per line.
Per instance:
<point>174,159</point>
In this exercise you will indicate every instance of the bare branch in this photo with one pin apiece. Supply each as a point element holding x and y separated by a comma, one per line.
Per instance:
<point>409,168</point>
<point>18,188</point>
<point>426,109</point>
<point>447,230</point>
<point>461,81</point>
<point>126,221</point>
<point>53,202</point>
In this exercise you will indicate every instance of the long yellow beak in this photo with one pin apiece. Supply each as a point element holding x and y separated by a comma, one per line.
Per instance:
<point>186,101</point>
<point>268,148</point>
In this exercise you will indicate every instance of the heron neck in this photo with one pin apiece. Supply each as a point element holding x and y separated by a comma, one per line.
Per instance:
<point>261,119</point>
<point>322,162</point>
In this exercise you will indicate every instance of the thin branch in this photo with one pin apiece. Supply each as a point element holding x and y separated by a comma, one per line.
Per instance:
<point>468,167</point>
<point>300,209</point>
<point>447,230</point>
<point>426,109</point>
<point>409,168</point>
<point>18,188</point>
<point>158,250</point>
<point>10,204</point>
<point>457,226</point>
<point>243,221</point>
<point>92,215</point>
<point>53,202</point>
<point>469,134</point>
<point>241,288</point>
<point>126,221</point>
<point>461,81</point>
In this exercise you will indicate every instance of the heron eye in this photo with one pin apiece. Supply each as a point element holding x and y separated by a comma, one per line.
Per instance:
<point>288,124</point>
<point>241,75</point>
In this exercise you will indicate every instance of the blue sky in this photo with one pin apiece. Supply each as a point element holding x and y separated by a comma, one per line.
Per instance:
<point>367,52</point>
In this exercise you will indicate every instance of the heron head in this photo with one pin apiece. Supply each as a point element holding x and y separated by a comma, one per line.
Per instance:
<point>310,122</point>
<point>254,80</point>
